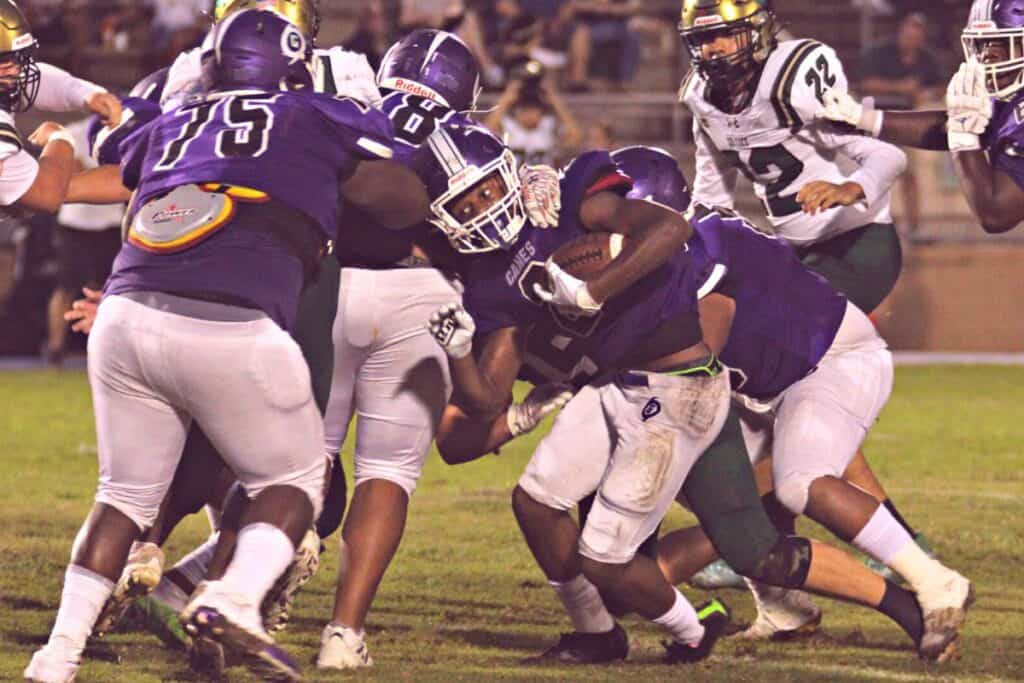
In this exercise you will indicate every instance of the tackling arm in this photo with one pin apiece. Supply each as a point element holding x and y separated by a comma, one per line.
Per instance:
<point>101,185</point>
<point>995,198</point>
<point>389,192</point>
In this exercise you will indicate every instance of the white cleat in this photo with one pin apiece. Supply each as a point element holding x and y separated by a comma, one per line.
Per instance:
<point>277,605</point>
<point>782,614</point>
<point>342,648</point>
<point>48,665</point>
<point>944,608</point>
<point>141,574</point>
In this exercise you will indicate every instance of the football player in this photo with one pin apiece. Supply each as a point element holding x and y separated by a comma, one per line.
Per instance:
<point>755,103</point>
<point>720,486</point>
<point>194,319</point>
<point>983,125</point>
<point>822,374</point>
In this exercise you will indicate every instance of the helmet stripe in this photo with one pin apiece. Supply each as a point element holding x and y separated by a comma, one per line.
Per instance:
<point>444,149</point>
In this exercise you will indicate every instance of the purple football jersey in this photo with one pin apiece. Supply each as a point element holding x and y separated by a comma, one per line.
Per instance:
<point>1004,138</point>
<point>786,315</point>
<point>499,286</point>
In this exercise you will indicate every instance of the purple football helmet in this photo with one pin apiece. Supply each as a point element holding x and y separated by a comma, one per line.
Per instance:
<point>433,64</point>
<point>995,37</point>
<point>456,159</point>
<point>656,176</point>
<point>152,86</point>
<point>257,50</point>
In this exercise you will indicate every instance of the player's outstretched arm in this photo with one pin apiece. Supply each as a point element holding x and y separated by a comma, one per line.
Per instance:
<point>49,177</point>
<point>100,185</point>
<point>389,192</point>
<point>917,129</point>
<point>657,231</point>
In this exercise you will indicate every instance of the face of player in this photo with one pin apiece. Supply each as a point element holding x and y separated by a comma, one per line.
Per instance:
<point>478,199</point>
<point>10,69</point>
<point>994,51</point>
<point>723,44</point>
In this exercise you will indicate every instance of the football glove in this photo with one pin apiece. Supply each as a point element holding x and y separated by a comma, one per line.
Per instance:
<point>968,107</point>
<point>538,404</point>
<point>568,294</point>
<point>354,77</point>
<point>453,328</point>
<point>542,195</point>
<point>842,108</point>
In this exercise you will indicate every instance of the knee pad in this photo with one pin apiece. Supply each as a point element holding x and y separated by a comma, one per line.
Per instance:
<point>792,491</point>
<point>334,501</point>
<point>786,565</point>
<point>310,480</point>
<point>402,475</point>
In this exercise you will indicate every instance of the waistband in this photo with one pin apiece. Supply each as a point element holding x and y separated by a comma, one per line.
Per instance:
<point>195,307</point>
<point>708,366</point>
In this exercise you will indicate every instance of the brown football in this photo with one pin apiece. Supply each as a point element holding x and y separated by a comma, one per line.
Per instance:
<point>589,254</point>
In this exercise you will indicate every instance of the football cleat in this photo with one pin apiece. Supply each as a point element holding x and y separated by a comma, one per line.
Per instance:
<point>886,573</point>
<point>782,614</point>
<point>230,618</point>
<point>944,608</point>
<point>160,619</point>
<point>714,616</point>
<point>342,648</point>
<point>277,604</point>
<point>49,665</point>
<point>587,648</point>
<point>141,574</point>
<point>716,576</point>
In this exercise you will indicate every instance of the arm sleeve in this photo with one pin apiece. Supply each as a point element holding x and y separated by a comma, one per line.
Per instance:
<point>17,173</point>
<point>816,71</point>
<point>60,91</point>
<point>714,181</point>
<point>349,74</point>
<point>104,143</point>
<point>367,133</point>
<point>880,163</point>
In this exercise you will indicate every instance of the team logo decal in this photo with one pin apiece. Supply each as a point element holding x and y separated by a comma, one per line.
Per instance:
<point>651,408</point>
<point>293,45</point>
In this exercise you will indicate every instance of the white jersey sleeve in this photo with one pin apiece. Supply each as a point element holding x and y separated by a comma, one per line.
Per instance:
<point>799,93</point>
<point>60,91</point>
<point>18,169</point>
<point>337,71</point>
<point>879,163</point>
<point>714,179</point>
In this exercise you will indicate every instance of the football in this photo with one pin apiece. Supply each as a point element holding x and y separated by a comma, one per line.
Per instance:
<point>589,254</point>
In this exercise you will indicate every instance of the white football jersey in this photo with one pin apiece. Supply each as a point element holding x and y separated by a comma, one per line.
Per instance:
<point>780,145</point>
<point>18,169</point>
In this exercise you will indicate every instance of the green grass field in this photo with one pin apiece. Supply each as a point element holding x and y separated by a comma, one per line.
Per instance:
<point>463,600</point>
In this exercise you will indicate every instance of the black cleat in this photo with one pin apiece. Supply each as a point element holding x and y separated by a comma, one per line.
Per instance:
<point>587,648</point>
<point>714,615</point>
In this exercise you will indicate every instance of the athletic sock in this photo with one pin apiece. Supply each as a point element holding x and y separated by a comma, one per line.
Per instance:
<point>882,537</point>
<point>170,594</point>
<point>81,601</point>
<point>193,567</point>
<point>583,604</point>
<point>262,555</point>
<point>215,516</point>
<point>917,567</point>
<point>901,606</point>
<point>899,518</point>
<point>682,622</point>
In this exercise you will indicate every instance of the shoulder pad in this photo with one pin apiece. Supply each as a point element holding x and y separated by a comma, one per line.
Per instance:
<point>367,130</point>
<point>785,79</point>
<point>152,86</point>
<point>104,143</point>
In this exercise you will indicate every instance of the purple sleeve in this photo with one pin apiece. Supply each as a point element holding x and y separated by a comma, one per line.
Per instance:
<point>104,143</point>
<point>132,155</point>
<point>365,132</point>
<point>1010,160</point>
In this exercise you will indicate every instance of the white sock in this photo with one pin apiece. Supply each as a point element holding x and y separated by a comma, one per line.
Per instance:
<point>214,515</point>
<point>170,594</point>
<point>682,622</point>
<point>583,603</point>
<point>262,555</point>
<point>195,565</point>
<point>81,600</point>
<point>914,565</point>
<point>882,537</point>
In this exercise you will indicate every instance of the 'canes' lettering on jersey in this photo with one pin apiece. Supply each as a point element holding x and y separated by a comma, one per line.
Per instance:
<point>779,145</point>
<point>786,316</point>
<point>1004,138</point>
<point>499,285</point>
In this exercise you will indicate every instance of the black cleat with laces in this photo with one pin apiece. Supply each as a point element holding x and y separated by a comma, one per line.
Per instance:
<point>587,648</point>
<point>714,615</point>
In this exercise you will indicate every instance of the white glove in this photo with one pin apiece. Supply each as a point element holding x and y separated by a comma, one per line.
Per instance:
<point>566,293</point>
<point>542,195</point>
<point>539,403</point>
<point>453,328</point>
<point>354,77</point>
<point>841,107</point>
<point>968,107</point>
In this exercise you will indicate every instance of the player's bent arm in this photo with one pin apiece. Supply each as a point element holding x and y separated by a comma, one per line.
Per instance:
<point>463,438</point>
<point>994,197</point>
<point>101,185</point>
<point>658,232</point>
<point>917,129</point>
<point>54,170</point>
<point>483,385</point>
<point>389,192</point>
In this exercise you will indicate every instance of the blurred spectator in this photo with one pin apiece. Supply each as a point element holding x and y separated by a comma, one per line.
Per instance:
<point>612,49</point>
<point>442,14</point>
<point>88,238</point>
<point>904,74</point>
<point>28,239</point>
<point>371,36</point>
<point>174,25</point>
<point>599,135</point>
<point>537,125</point>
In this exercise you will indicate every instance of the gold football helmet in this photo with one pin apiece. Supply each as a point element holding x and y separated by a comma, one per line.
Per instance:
<point>17,46</point>
<point>303,13</point>
<point>752,22</point>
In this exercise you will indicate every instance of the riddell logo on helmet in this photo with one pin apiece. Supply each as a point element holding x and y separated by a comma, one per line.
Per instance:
<point>707,21</point>
<point>22,41</point>
<point>983,25</point>
<point>413,88</point>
